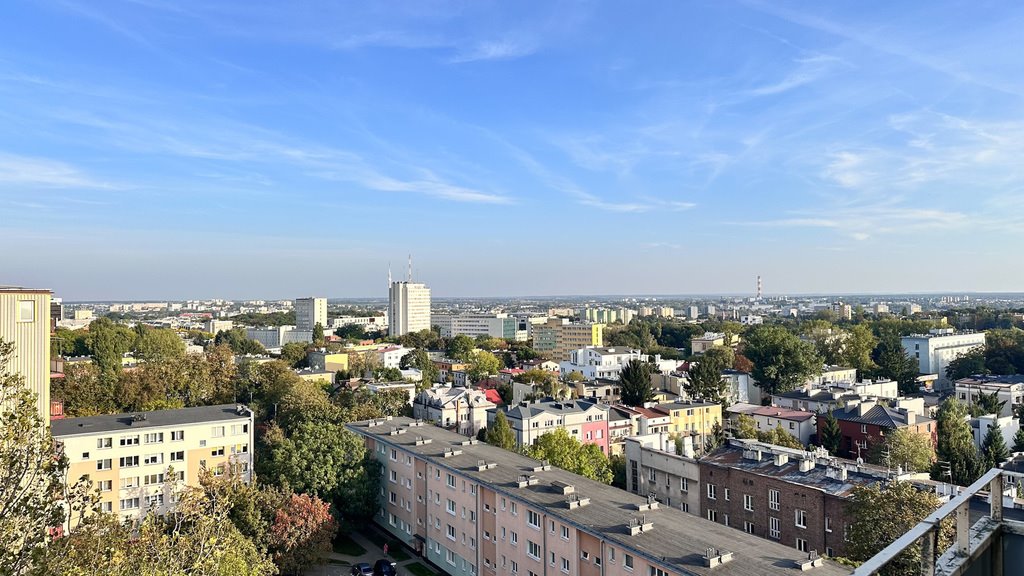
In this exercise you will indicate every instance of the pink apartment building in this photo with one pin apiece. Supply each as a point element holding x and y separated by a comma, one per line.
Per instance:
<point>584,420</point>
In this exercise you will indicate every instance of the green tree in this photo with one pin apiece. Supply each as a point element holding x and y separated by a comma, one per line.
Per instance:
<point>317,458</point>
<point>986,404</point>
<point>745,428</point>
<point>894,363</point>
<point>318,335</point>
<point>500,433</point>
<point>635,381</point>
<point>716,439</point>
<point>382,374</point>
<point>781,360</point>
<point>958,459</point>
<point>857,349</point>
<point>705,378</point>
<point>881,513</point>
<point>158,344</point>
<point>618,465</point>
<point>967,364</point>
<point>567,453</point>
<point>83,392</point>
<point>904,448</point>
<point>294,354</point>
<point>108,343</point>
<point>460,348</point>
<point>239,342</point>
<point>30,473</point>
<point>301,534</point>
<point>420,360</point>
<point>831,434</point>
<point>993,446</point>
<point>779,437</point>
<point>482,364</point>
<point>1018,440</point>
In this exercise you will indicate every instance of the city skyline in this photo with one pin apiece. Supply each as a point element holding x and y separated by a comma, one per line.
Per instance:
<point>170,150</point>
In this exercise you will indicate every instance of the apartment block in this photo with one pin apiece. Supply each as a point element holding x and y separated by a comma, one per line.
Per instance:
<point>653,467</point>
<point>408,308</point>
<point>475,509</point>
<point>599,362</point>
<point>793,497</point>
<point>936,349</point>
<point>692,418</point>
<point>1008,389</point>
<point>25,322</point>
<point>473,325</point>
<point>309,312</point>
<point>557,338</point>
<point>584,420</point>
<point>136,460</point>
<point>864,424</point>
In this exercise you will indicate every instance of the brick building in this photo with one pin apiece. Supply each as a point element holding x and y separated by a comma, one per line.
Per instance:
<point>863,425</point>
<point>790,496</point>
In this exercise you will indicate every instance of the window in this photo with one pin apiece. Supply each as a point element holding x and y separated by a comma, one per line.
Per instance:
<point>800,518</point>
<point>155,500</point>
<point>153,459</point>
<point>748,527</point>
<point>829,552</point>
<point>515,566</point>
<point>712,490</point>
<point>129,504</point>
<point>239,429</point>
<point>102,443</point>
<point>533,519</point>
<point>449,556</point>
<point>713,515</point>
<point>585,555</point>
<point>513,537</point>
<point>217,432</point>
<point>748,502</point>
<point>611,555</point>
<point>551,558</point>
<point>533,549</point>
<point>652,474</point>
<point>85,455</point>
<point>106,506</point>
<point>684,484</point>
<point>565,565</point>
<point>129,461</point>
<point>726,494</point>
<point>106,485</point>
<point>130,441</point>
<point>773,527</point>
<point>627,561</point>
<point>393,476</point>
<point>154,438</point>
<point>514,511</point>
<point>565,532</point>
<point>828,524</point>
<point>131,482</point>
<point>151,479</point>
<point>177,456</point>
<point>451,532</point>
<point>654,571</point>
<point>202,443</point>
<point>450,506</point>
<point>26,311</point>
<point>801,544</point>
<point>451,481</point>
<point>177,435</point>
<point>773,499</point>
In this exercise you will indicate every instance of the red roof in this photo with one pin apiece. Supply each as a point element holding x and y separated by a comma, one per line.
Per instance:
<point>493,396</point>
<point>783,413</point>
<point>649,412</point>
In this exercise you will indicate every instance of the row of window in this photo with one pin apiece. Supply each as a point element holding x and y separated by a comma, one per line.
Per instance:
<point>158,458</point>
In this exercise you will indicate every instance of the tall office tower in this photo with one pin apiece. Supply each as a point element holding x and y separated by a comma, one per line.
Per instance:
<point>759,287</point>
<point>309,312</point>
<point>25,322</point>
<point>408,306</point>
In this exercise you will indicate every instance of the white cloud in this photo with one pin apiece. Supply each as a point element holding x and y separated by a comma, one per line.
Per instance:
<point>47,173</point>
<point>495,50</point>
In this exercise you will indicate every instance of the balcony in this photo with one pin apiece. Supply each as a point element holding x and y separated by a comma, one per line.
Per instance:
<point>985,546</point>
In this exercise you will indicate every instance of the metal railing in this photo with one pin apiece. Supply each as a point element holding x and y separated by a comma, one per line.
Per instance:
<point>926,533</point>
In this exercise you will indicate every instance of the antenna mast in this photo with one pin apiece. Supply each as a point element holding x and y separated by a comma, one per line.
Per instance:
<point>410,268</point>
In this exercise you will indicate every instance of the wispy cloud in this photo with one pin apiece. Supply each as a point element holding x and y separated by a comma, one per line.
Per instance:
<point>808,70</point>
<point>46,173</point>
<point>495,50</point>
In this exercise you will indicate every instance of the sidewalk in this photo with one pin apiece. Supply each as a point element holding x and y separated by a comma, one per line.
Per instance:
<point>340,564</point>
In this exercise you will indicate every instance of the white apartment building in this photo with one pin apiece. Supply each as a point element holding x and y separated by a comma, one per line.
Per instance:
<point>498,325</point>
<point>137,460</point>
<point>751,320</point>
<point>277,336</point>
<point>940,346</point>
<point>214,325</point>
<point>391,356</point>
<point>408,308</point>
<point>1008,389</point>
<point>309,312</point>
<point>599,362</point>
<point>25,322</point>
<point>653,467</point>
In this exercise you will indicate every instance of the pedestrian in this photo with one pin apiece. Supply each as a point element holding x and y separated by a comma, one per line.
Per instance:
<point>385,548</point>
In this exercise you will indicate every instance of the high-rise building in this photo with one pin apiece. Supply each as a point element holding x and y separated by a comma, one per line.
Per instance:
<point>25,323</point>
<point>309,312</point>
<point>408,305</point>
<point>558,337</point>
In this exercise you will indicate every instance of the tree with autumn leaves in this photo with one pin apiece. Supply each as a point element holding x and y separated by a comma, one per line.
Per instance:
<point>301,533</point>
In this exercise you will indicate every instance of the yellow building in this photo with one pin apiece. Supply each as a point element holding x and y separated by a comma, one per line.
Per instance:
<point>331,362</point>
<point>692,417</point>
<point>137,460</point>
<point>557,338</point>
<point>25,322</point>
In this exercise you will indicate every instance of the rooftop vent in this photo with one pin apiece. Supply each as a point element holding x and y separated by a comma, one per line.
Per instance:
<point>395,431</point>
<point>752,454</point>
<point>420,440</point>
<point>781,459</point>
<point>575,501</point>
<point>469,442</point>
<point>715,557</point>
<point>417,422</point>
<point>544,465</point>
<point>563,487</point>
<point>806,464</point>
<point>449,452</point>
<point>138,418</point>
<point>836,473</point>
<point>526,480</point>
<point>482,465</point>
<point>651,504</point>
<point>639,525</point>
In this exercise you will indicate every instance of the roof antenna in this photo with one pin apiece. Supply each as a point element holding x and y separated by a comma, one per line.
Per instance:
<point>389,275</point>
<point>410,268</point>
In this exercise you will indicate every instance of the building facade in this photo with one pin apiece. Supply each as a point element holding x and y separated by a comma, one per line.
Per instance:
<point>557,338</point>
<point>936,349</point>
<point>309,312</point>
<point>463,410</point>
<point>584,420</point>
<point>473,325</point>
<point>474,509</point>
<point>25,323</point>
<point>864,424</point>
<point>1008,389</point>
<point>598,362</point>
<point>652,466</point>
<point>408,308</point>
<point>137,460</point>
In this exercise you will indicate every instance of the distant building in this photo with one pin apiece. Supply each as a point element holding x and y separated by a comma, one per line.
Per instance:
<point>595,362</point>
<point>129,457</point>
<point>278,336</point>
<point>692,312</point>
<point>1008,389</point>
<point>798,423</point>
<point>557,338</point>
<point>408,308</point>
<point>703,343</point>
<point>473,325</point>
<point>25,323</point>
<point>842,311</point>
<point>309,312</point>
<point>940,346</point>
<point>463,410</point>
<point>751,320</point>
<point>213,326</point>
<point>880,308</point>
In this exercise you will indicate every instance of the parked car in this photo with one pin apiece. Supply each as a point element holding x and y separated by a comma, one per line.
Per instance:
<point>362,569</point>
<point>384,567</point>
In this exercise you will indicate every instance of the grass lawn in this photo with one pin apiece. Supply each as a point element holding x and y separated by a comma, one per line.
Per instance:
<point>396,550</point>
<point>418,569</point>
<point>347,546</point>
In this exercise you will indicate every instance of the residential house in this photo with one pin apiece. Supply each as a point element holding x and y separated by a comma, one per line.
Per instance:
<point>864,424</point>
<point>461,409</point>
<point>584,420</point>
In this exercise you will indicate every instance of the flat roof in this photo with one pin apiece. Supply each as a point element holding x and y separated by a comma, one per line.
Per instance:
<point>677,540</point>
<point>153,419</point>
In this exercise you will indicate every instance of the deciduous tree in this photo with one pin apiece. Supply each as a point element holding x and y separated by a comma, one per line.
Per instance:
<point>904,448</point>
<point>567,453</point>
<point>705,378</point>
<point>779,437</point>
<point>745,427</point>
<point>781,360</point>
<point>500,433</point>
<point>301,533</point>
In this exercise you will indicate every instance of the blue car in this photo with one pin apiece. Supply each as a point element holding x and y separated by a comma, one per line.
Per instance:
<point>362,569</point>
<point>384,567</point>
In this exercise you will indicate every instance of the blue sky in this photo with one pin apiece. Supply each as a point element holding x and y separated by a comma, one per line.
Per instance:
<point>169,149</point>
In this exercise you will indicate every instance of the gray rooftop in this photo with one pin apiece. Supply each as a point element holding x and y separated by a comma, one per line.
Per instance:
<point>677,540</point>
<point>127,422</point>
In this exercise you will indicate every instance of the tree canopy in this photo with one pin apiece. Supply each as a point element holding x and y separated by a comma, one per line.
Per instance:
<point>567,453</point>
<point>958,459</point>
<point>782,361</point>
<point>500,433</point>
<point>904,448</point>
<point>635,381</point>
<point>704,379</point>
